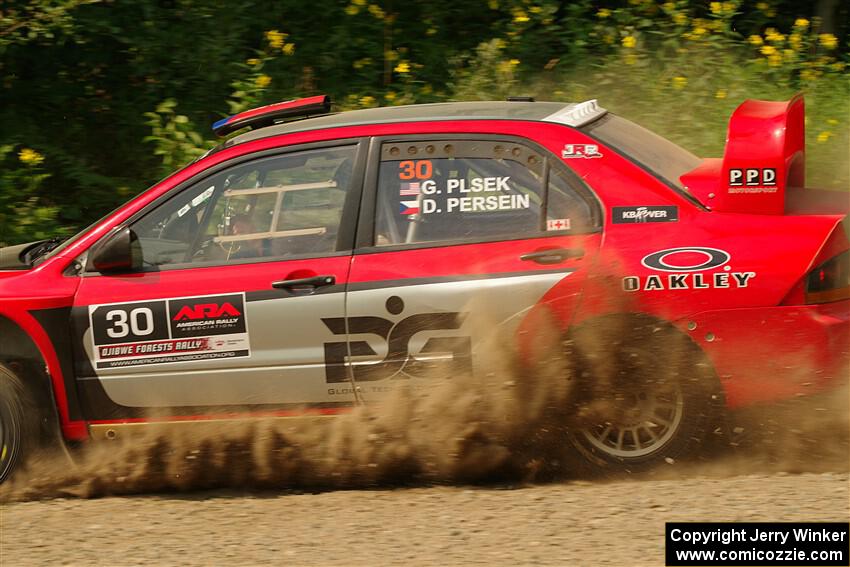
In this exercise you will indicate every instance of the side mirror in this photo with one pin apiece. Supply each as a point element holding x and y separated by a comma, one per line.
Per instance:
<point>121,252</point>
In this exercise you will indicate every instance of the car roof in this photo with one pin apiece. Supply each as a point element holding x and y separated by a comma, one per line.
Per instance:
<point>490,110</point>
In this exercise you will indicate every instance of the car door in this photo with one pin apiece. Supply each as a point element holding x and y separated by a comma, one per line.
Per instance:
<point>460,238</point>
<point>240,268</point>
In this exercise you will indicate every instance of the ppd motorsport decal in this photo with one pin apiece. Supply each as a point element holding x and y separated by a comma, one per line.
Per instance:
<point>451,353</point>
<point>170,330</point>
<point>688,267</point>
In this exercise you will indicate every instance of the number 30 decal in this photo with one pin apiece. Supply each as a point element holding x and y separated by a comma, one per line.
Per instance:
<point>140,322</point>
<point>410,169</point>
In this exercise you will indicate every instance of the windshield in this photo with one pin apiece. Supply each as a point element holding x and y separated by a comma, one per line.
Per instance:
<point>658,155</point>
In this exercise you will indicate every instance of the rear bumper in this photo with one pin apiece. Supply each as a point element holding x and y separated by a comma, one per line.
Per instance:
<point>774,353</point>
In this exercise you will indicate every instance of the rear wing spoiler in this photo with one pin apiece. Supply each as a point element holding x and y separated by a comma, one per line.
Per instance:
<point>765,156</point>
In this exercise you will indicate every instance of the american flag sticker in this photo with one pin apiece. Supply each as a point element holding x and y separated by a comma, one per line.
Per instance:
<point>558,224</point>
<point>409,189</point>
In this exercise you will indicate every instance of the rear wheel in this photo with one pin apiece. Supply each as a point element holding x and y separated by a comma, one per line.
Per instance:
<point>647,398</point>
<point>15,430</point>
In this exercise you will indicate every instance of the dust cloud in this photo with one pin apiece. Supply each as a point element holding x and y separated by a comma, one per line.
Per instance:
<point>504,425</point>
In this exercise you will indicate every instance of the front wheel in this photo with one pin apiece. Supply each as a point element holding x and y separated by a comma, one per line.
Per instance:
<point>15,425</point>
<point>647,398</point>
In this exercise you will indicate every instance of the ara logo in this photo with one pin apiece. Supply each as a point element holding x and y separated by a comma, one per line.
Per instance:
<point>451,353</point>
<point>685,267</point>
<point>206,311</point>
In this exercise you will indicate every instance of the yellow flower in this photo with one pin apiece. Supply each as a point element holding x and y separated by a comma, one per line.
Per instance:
<point>263,81</point>
<point>30,157</point>
<point>403,67</point>
<point>629,42</point>
<point>789,54</point>
<point>808,75</point>
<point>832,121</point>
<point>795,40</point>
<point>824,136</point>
<point>360,3</point>
<point>520,17</point>
<point>536,10</point>
<point>679,83</point>
<point>367,100</point>
<point>828,40</point>
<point>275,39</point>
<point>604,13</point>
<point>716,8</point>
<point>698,32</point>
<point>288,48</point>
<point>801,23</point>
<point>390,96</point>
<point>376,11</point>
<point>755,40</point>
<point>351,10</point>
<point>680,18</point>
<point>720,94</point>
<point>838,66</point>
<point>774,60</point>
<point>729,7</point>
<point>253,61</point>
<point>762,6</point>
<point>768,50</point>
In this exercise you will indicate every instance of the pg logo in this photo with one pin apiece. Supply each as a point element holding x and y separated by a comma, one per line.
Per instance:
<point>399,362</point>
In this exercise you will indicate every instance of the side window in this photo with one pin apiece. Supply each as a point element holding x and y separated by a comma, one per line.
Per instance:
<point>569,204</point>
<point>475,190</point>
<point>288,205</point>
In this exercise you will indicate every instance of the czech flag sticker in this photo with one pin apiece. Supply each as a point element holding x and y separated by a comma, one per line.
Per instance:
<point>409,207</point>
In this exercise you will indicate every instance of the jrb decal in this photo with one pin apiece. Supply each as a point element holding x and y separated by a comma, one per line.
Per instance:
<point>586,151</point>
<point>171,330</point>
<point>685,268</point>
<point>456,350</point>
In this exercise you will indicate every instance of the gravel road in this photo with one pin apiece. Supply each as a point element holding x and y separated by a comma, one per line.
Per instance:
<point>575,523</point>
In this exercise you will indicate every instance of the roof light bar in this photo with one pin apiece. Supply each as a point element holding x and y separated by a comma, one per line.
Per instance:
<point>269,114</point>
<point>576,115</point>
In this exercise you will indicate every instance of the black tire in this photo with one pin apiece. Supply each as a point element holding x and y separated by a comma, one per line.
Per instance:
<point>16,426</point>
<point>647,397</point>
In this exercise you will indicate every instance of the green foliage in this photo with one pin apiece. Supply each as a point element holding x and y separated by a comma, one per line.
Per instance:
<point>23,214</point>
<point>114,95</point>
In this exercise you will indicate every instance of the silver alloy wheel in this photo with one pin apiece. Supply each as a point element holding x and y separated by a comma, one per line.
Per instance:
<point>647,420</point>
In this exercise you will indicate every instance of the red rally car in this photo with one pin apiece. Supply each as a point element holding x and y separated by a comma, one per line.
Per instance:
<point>318,260</point>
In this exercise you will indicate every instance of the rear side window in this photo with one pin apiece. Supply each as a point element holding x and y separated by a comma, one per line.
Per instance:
<point>453,190</point>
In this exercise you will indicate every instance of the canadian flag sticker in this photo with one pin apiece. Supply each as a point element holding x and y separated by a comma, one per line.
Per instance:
<point>558,224</point>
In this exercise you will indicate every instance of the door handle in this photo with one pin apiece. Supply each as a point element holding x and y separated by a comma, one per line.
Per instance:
<point>552,255</point>
<point>305,284</point>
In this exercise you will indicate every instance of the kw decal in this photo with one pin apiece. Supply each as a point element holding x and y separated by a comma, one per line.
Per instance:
<point>686,267</point>
<point>663,213</point>
<point>399,362</point>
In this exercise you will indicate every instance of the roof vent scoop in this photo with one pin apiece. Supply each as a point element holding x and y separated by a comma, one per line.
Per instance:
<point>576,115</point>
<point>269,114</point>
